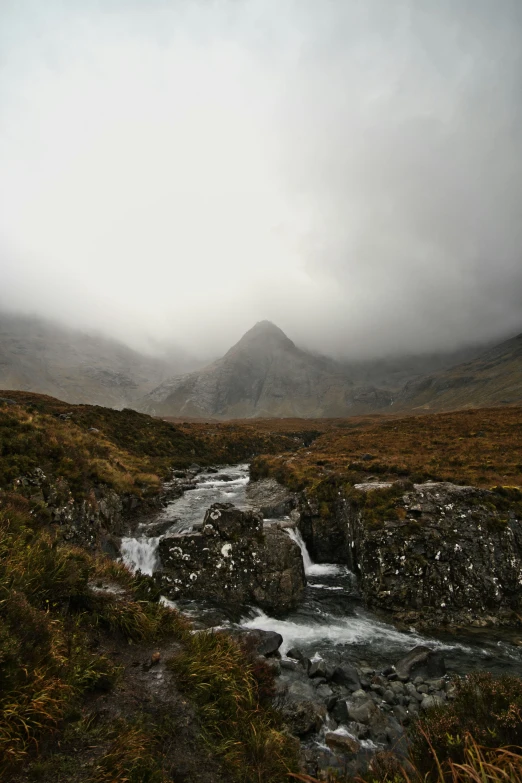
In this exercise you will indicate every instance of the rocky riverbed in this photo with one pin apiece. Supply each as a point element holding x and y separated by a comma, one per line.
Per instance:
<point>347,679</point>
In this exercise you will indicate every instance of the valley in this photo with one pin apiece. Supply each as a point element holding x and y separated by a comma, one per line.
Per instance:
<point>318,557</point>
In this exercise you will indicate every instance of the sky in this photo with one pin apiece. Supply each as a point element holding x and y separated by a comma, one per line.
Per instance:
<point>348,169</point>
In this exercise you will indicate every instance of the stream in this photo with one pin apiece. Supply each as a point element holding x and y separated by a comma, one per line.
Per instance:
<point>331,621</point>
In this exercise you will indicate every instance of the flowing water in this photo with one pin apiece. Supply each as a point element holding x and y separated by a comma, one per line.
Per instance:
<point>330,621</point>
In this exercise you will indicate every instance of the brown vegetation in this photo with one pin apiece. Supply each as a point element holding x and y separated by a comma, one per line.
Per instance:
<point>479,447</point>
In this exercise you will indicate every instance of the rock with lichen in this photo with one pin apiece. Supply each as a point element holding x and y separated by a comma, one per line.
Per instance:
<point>233,559</point>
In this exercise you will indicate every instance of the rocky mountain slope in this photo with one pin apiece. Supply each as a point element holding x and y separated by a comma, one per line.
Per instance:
<point>493,378</point>
<point>266,374</point>
<point>40,356</point>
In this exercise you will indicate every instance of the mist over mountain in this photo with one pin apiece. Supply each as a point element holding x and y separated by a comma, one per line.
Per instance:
<point>41,356</point>
<point>350,171</point>
<point>492,378</point>
<point>265,374</point>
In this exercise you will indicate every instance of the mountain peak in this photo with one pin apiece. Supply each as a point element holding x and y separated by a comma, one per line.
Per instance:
<point>263,335</point>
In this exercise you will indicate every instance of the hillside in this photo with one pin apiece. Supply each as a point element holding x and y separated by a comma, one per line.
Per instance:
<point>266,375</point>
<point>493,378</point>
<point>39,356</point>
<point>126,451</point>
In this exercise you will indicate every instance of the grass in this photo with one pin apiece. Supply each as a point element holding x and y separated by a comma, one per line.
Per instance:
<point>235,709</point>
<point>53,623</point>
<point>481,447</point>
<point>479,765</point>
<point>127,451</point>
<point>50,621</point>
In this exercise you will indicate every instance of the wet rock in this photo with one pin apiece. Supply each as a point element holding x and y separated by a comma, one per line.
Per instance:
<point>324,692</point>
<point>348,676</point>
<point>270,498</point>
<point>301,710</point>
<point>429,702</point>
<point>158,528</point>
<point>362,713</point>
<point>453,559</point>
<point>295,653</point>
<point>265,642</point>
<point>340,711</point>
<point>342,743</point>
<point>289,665</point>
<point>389,697</point>
<point>421,662</point>
<point>318,669</point>
<point>241,563</point>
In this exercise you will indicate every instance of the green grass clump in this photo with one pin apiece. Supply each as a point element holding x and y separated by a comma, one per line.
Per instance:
<point>237,719</point>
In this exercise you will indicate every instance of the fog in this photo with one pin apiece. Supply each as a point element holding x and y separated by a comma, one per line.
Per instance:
<point>349,169</point>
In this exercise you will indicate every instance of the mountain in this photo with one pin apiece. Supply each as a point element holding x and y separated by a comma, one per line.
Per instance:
<point>265,374</point>
<point>40,356</point>
<point>395,371</point>
<point>492,378</point>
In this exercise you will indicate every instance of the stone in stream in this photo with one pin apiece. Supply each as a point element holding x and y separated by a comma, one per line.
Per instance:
<point>271,498</point>
<point>342,743</point>
<point>233,560</point>
<point>348,676</point>
<point>265,642</point>
<point>421,662</point>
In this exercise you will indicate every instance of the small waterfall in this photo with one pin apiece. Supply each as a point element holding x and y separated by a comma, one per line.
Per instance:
<point>296,536</point>
<point>140,553</point>
<point>311,568</point>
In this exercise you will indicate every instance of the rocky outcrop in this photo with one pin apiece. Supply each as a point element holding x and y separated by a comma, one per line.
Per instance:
<point>234,560</point>
<point>99,518</point>
<point>447,555</point>
<point>272,499</point>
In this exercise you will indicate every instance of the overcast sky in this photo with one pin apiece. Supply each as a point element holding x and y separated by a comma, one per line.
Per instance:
<point>349,169</point>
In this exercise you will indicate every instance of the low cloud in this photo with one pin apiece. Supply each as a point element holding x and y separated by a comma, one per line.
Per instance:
<point>351,171</point>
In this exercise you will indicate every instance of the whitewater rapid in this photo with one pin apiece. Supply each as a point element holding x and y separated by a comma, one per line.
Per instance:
<point>331,621</point>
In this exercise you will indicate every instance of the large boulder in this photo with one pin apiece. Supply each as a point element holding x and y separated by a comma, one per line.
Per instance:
<point>233,559</point>
<point>447,554</point>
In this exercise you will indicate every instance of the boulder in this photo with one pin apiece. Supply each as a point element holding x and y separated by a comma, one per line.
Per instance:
<point>348,676</point>
<point>342,743</point>
<point>301,709</point>
<point>452,556</point>
<point>421,662</point>
<point>265,642</point>
<point>234,561</point>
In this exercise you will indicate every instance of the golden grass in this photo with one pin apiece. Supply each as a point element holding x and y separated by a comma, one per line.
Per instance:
<point>478,447</point>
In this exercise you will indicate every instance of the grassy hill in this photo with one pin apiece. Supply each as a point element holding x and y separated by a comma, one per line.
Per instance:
<point>127,451</point>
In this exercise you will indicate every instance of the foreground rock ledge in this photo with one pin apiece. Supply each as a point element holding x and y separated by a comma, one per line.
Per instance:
<point>233,559</point>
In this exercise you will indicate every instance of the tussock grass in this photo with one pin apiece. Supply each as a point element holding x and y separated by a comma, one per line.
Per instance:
<point>132,757</point>
<point>238,723</point>
<point>480,765</point>
<point>49,623</point>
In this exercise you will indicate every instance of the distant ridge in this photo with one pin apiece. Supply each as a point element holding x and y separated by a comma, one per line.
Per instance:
<point>492,378</point>
<point>266,374</point>
<point>40,356</point>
